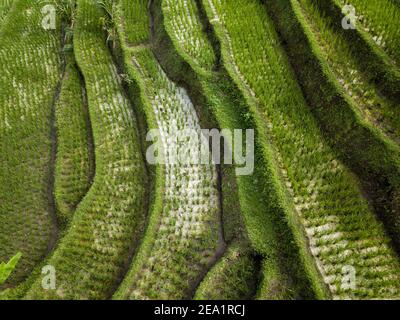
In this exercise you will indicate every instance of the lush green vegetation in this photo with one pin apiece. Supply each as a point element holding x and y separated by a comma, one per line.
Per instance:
<point>232,278</point>
<point>339,232</point>
<point>96,249</point>
<point>74,165</point>
<point>374,61</point>
<point>375,108</point>
<point>183,238</point>
<point>80,199</point>
<point>188,31</point>
<point>5,6</point>
<point>380,19</point>
<point>371,155</point>
<point>185,235</point>
<point>7,268</point>
<point>30,71</point>
<point>259,214</point>
<point>136,21</point>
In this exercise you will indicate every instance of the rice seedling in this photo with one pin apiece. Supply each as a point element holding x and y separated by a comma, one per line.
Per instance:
<point>338,226</point>
<point>93,254</point>
<point>74,163</point>
<point>137,30</point>
<point>258,221</point>
<point>232,278</point>
<point>375,108</point>
<point>185,23</point>
<point>30,71</point>
<point>5,6</point>
<point>83,81</point>
<point>187,236</point>
<point>369,153</point>
<point>380,19</point>
<point>183,236</point>
<point>378,67</point>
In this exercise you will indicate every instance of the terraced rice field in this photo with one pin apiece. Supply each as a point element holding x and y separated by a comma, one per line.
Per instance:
<point>90,90</point>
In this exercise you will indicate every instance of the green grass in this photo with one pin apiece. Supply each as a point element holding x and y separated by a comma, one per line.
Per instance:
<point>381,19</point>
<point>375,108</point>
<point>5,6</point>
<point>375,62</point>
<point>258,213</point>
<point>183,237</point>
<point>96,249</point>
<point>372,157</point>
<point>7,268</point>
<point>30,71</point>
<point>188,32</point>
<point>324,197</point>
<point>232,278</point>
<point>74,167</point>
<point>75,191</point>
<point>137,30</point>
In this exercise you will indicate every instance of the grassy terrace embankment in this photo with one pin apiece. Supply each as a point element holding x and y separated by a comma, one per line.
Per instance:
<point>82,195</point>
<point>180,41</point>
<point>30,71</point>
<point>332,222</point>
<point>359,144</point>
<point>372,57</point>
<point>184,235</point>
<point>92,257</point>
<point>232,278</point>
<point>355,81</point>
<point>380,20</point>
<point>74,161</point>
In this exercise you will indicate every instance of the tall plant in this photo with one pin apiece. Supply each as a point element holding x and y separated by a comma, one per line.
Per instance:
<point>7,268</point>
<point>108,22</point>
